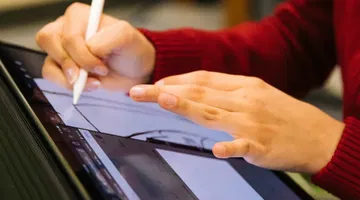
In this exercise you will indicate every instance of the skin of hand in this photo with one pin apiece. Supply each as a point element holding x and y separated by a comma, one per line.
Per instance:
<point>270,128</point>
<point>117,57</point>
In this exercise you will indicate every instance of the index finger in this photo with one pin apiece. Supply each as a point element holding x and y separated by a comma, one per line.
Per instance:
<point>49,39</point>
<point>76,20</point>
<point>214,80</point>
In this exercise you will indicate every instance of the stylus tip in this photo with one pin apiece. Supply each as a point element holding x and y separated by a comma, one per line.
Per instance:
<point>75,100</point>
<point>79,86</point>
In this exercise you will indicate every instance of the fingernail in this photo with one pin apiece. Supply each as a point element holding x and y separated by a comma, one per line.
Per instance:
<point>137,92</point>
<point>169,100</point>
<point>93,86</point>
<point>70,75</point>
<point>220,150</point>
<point>101,71</point>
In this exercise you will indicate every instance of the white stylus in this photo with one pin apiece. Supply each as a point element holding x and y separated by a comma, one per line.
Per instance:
<point>96,11</point>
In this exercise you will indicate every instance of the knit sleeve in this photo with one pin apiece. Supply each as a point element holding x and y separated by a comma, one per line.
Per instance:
<point>341,176</point>
<point>292,50</point>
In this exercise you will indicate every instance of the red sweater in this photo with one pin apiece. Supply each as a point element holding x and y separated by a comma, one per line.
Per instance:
<point>294,50</point>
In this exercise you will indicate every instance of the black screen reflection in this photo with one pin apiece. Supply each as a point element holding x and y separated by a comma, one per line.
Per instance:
<point>144,169</point>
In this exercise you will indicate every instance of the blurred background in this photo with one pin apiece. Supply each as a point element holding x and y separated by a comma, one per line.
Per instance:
<point>21,19</point>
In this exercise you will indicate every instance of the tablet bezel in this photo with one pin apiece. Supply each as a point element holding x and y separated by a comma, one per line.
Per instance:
<point>293,186</point>
<point>42,130</point>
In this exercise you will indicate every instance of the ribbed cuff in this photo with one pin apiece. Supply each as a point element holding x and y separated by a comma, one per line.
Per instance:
<point>341,176</point>
<point>176,52</point>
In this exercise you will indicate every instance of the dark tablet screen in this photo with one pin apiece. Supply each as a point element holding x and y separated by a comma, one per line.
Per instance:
<point>120,149</point>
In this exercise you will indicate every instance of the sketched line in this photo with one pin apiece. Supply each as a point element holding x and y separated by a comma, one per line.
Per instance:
<point>113,107</point>
<point>139,109</point>
<point>100,99</point>
<point>127,107</point>
<point>87,119</point>
<point>161,131</point>
<point>203,139</point>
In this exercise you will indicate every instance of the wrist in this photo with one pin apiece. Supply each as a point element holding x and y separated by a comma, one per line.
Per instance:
<point>328,144</point>
<point>341,173</point>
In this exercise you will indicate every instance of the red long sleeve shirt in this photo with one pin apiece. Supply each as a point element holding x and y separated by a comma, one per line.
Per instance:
<point>294,50</point>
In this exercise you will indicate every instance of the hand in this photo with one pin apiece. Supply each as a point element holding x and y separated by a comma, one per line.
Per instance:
<point>270,128</point>
<point>117,57</point>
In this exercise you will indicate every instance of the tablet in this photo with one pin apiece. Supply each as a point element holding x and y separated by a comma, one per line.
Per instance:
<point>114,148</point>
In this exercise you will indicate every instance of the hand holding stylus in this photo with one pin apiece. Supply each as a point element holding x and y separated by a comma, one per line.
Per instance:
<point>93,24</point>
<point>116,57</point>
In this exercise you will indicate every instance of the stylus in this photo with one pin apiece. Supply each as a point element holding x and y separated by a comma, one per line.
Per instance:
<point>96,10</point>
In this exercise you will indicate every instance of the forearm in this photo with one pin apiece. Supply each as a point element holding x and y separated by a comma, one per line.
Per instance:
<point>292,50</point>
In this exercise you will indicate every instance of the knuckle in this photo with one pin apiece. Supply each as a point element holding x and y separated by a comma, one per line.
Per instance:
<point>75,7</point>
<point>96,49</point>
<point>201,77</point>
<point>196,93</point>
<point>69,41</point>
<point>127,31</point>
<point>182,106</point>
<point>211,114</point>
<point>44,35</point>
<point>258,82</point>
<point>122,24</point>
<point>64,60</point>
<point>45,72</point>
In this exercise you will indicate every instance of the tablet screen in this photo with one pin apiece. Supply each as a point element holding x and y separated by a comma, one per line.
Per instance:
<point>121,149</point>
<point>116,113</point>
<point>146,171</point>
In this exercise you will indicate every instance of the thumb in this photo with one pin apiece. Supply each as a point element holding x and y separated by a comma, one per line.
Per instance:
<point>110,39</point>
<point>236,148</point>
